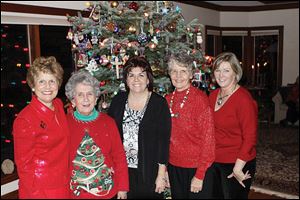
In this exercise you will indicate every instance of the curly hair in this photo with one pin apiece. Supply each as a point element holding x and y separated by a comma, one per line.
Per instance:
<point>47,65</point>
<point>83,77</point>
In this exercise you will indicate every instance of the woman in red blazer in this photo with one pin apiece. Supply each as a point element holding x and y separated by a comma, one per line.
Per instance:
<point>41,135</point>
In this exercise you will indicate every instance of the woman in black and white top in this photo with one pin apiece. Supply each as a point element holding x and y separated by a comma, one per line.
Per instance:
<point>144,122</point>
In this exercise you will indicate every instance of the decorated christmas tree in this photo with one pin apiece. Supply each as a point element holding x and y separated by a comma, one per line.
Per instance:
<point>103,41</point>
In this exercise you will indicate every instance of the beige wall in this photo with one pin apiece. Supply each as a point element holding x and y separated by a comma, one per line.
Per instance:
<point>288,18</point>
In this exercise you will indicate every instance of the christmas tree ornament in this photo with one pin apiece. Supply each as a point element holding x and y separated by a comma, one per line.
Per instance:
<point>80,37</point>
<point>154,40</point>
<point>152,45</point>
<point>116,62</point>
<point>199,38</point>
<point>96,16</point>
<point>122,52</point>
<point>102,83</point>
<point>70,34</point>
<point>94,39</point>
<point>88,44</point>
<point>132,29</point>
<point>116,29</point>
<point>82,60</point>
<point>92,66</point>
<point>142,38</point>
<point>172,26</point>
<point>104,105</point>
<point>164,11</point>
<point>114,4</point>
<point>104,60</point>
<point>134,6</point>
<point>151,31</point>
<point>75,39</point>
<point>178,9</point>
<point>110,26</point>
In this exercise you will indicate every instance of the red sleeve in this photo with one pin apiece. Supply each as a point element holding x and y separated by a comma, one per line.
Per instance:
<point>119,158</point>
<point>24,149</point>
<point>208,139</point>
<point>247,116</point>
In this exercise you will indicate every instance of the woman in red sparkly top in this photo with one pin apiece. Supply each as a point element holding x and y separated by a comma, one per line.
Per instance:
<point>192,142</point>
<point>41,135</point>
<point>235,115</point>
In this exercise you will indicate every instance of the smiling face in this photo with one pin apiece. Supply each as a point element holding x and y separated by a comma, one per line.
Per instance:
<point>137,80</point>
<point>225,76</point>
<point>84,99</point>
<point>46,88</point>
<point>180,76</point>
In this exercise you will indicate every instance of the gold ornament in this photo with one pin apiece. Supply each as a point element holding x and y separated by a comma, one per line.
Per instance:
<point>172,26</point>
<point>114,4</point>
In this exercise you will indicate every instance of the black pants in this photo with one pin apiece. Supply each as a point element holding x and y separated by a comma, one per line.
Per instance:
<point>222,187</point>
<point>140,190</point>
<point>292,114</point>
<point>180,182</point>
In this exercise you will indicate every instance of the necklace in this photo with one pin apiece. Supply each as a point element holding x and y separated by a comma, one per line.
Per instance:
<point>220,99</point>
<point>181,104</point>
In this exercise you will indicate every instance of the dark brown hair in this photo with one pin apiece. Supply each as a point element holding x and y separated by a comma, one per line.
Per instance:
<point>141,62</point>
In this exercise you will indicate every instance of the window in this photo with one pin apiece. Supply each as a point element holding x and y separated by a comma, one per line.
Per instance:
<point>15,92</point>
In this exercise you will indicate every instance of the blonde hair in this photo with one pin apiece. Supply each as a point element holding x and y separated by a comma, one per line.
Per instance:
<point>232,60</point>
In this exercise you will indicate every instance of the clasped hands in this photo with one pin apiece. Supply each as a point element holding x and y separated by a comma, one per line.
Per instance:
<point>162,182</point>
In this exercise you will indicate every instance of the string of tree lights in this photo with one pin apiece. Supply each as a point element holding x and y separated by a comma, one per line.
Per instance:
<point>15,93</point>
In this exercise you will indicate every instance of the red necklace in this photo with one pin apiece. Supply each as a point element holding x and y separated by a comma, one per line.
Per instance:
<point>181,104</point>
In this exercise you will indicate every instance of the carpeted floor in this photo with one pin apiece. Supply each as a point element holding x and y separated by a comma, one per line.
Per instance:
<point>278,159</point>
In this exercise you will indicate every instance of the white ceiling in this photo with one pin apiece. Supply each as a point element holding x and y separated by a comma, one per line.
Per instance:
<point>80,5</point>
<point>75,5</point>
<point>236,3</point>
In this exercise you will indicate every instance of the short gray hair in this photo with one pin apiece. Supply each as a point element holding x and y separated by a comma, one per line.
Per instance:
<point>183,59</point>
<point>83,77</point>
<point>232,60</point>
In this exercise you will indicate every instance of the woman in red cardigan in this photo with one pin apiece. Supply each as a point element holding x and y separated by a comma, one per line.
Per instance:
<point>41,135</point>
<point>235,115</point>
<point>98,165</point>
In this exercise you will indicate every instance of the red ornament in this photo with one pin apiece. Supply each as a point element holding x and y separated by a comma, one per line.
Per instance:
<point>102,83</point>
<point>134,6</point>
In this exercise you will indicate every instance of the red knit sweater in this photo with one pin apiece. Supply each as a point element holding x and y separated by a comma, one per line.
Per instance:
<point>104,132</point>
<point>192,142</point>
<point>235,126</point>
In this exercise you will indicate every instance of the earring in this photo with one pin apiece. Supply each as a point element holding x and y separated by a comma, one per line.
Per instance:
<point>32,89</point>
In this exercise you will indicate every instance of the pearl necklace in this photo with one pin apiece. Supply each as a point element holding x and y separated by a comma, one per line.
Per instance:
<point>181,104</point>
<point>220,99</point>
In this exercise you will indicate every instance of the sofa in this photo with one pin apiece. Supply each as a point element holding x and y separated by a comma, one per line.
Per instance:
<point>280,108</point>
